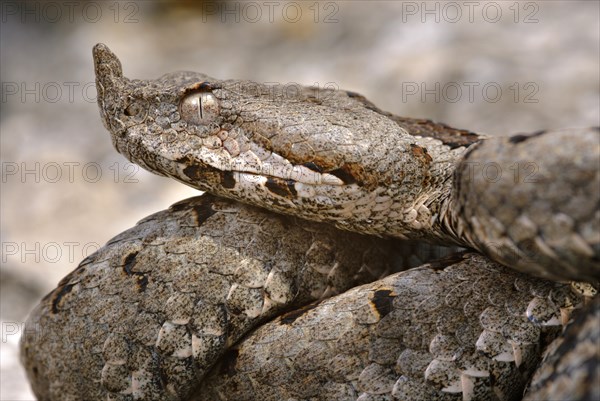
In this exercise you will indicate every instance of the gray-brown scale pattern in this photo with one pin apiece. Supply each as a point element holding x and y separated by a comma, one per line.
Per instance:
<point>148,314</point>
<point>570,369</point>
<point>331,155</point>
<point>325,155</point>
<point>463,328</point>
<point>535,208</point>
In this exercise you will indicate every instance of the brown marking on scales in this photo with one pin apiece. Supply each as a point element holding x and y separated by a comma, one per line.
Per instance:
<point>281,187</point>
<point>68,280</point>
<point>203,175</point>
<point>354,173</point>
<point>228,362</point>
<point>142,282</point>
<point>192,171</point>
<point>421,153</point>
<point>59,293</point>
<point>227,179</point>
<point>449,136</point>
<point>345,174</point>
<point>203,86</point>
<point>517,138</point>
<point>128,264</point>
<point>264,137</point>
<point>349,173</point>
<point>382,301</point>
<point>313,166</point>
<point>203,209</point>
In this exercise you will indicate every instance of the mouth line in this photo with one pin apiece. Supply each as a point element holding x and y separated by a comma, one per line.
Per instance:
<point>278,169</point>
<point>248,164</point>
<point>289,175</point>
<point>282,187</point>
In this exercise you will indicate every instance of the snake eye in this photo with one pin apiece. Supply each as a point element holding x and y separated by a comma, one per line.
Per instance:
<point>199,108</point>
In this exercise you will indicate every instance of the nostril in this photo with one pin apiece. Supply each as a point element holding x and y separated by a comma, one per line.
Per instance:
<point>133,110</point>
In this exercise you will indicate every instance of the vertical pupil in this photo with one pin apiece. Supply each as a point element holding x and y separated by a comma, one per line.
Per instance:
<point>200,107</point>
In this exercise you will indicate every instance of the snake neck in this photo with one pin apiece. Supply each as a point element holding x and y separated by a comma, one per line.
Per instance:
<point>451,226</point>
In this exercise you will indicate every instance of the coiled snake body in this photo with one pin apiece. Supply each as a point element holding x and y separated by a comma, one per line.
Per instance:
<point>216,300</point>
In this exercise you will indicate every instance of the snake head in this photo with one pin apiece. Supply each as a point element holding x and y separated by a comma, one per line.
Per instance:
<point>327,153</point>
<point>142,116</point>
<point>224,136</point>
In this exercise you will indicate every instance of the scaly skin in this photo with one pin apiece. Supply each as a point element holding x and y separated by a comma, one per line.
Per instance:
<point>261,141</point>
<point>463,328</point>
<point>570,369</point>
<point>150,312</point>
<point>533,202</point>
<point>331,155</point>
<point>148,315</point>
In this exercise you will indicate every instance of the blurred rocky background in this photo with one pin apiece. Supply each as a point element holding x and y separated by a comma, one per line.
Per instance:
<point>493,67</point>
